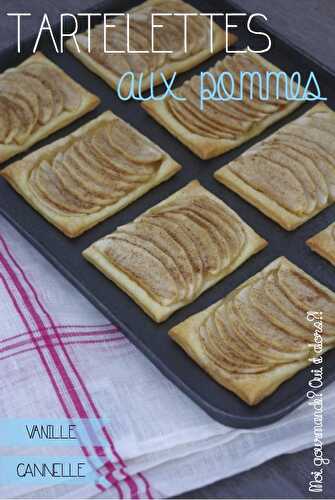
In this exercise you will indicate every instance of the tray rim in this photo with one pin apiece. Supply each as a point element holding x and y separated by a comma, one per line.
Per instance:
<point>291,45</point>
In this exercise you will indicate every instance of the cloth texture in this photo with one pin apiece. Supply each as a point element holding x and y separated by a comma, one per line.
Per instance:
<point>59,357</point>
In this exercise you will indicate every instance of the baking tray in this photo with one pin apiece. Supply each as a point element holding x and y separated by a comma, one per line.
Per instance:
<point>150,338</point>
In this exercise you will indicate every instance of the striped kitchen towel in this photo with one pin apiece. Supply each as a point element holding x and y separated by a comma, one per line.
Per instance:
<point>60,358</point>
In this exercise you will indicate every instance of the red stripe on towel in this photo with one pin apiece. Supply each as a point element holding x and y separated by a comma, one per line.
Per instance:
<point>37,311</point>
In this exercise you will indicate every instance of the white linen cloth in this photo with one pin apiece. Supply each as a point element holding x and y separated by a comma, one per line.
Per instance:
<point>60,357</point>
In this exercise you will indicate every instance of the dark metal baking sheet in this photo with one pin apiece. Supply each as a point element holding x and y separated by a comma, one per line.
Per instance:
<point>150,338</point>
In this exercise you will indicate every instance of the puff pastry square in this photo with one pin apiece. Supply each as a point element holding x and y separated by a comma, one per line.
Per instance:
<point>36,99</point>
<point>111,66</point>
<point>258,336</point>
<point>175,251</point>
<point>290,176</point>
<point>323,243</point>
<point>222,125</point>
<point>80,180</point>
